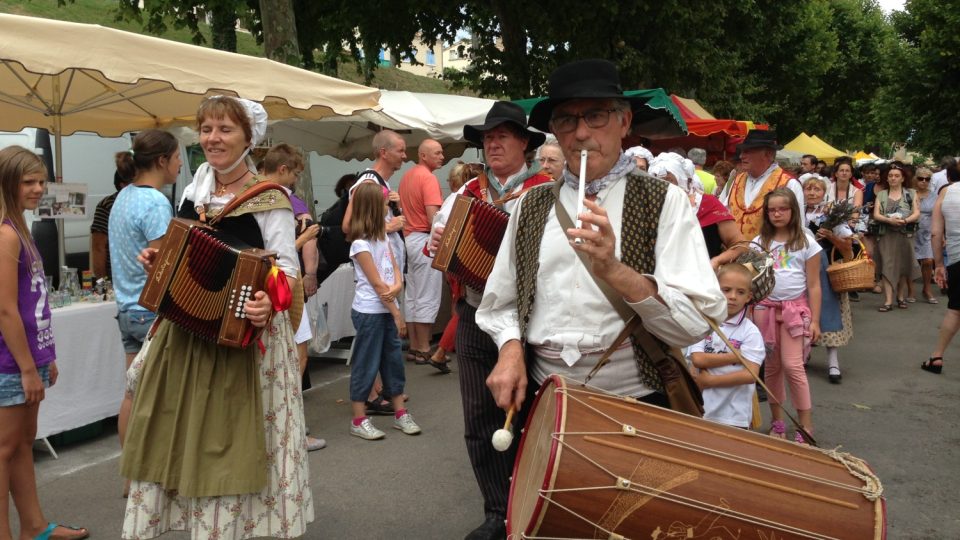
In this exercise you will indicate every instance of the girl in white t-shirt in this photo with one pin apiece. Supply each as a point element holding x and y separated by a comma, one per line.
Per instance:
<point>727,385</point>
<point>375,314</point>
<point>789,319</point>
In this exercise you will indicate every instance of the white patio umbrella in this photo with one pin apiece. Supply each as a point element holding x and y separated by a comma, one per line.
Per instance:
<point>416,116</point>
<point>69,77</point>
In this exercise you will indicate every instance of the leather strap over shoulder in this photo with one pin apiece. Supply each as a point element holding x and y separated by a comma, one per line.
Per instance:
<point>248,194</point>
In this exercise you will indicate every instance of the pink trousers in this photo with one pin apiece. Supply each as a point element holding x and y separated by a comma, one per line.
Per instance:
<point>785,362</point>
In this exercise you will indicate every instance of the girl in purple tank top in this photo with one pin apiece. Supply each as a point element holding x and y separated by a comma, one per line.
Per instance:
<point>27,355</point>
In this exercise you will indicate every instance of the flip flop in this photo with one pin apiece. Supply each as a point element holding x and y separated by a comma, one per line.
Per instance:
<point>928,365</point>
<point>885,308</point>
<point>48,532</point>
<point>932,300</point>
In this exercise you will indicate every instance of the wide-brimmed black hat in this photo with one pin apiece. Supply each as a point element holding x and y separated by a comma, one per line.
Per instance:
<point>503,112</point>
<point>584,79</point>
<point>759,138</point>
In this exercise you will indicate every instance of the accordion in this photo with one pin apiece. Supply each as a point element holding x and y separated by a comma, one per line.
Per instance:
<point>470,241</point>
<point>200,280</point>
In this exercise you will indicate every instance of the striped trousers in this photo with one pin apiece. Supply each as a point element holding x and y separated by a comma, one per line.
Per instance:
<point>477,355</point>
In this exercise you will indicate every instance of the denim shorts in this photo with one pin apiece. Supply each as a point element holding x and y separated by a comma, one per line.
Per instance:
<point>134,326</point>
<point>11,387</point>
<point>376,349</point>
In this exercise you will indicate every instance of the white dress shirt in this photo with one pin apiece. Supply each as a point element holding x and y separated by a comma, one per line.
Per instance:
<point>571,317</point>
<point>753,185</point>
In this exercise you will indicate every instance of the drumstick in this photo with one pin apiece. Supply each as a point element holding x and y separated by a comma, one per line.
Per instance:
<point>503,438</point>
<point>580,191</point>
<point>736,352</point>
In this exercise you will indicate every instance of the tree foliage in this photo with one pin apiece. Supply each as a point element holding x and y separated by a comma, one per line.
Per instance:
<point>838,68</point>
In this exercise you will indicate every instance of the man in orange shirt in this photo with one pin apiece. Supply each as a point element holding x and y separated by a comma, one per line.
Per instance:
<point>420,199</point>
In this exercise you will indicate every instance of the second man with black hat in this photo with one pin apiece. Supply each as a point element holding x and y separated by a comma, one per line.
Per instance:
<point>505,140</point>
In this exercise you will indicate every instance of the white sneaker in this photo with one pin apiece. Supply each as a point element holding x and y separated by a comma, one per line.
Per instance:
<point>366,430</point>
<point>406,424</point>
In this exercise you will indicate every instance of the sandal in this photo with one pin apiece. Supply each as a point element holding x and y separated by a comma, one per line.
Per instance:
<point>911,300</point>
<point>885,308</point>
<point>932,300</point>
<point>799,439</point>
<point>778,429</point>
<point>48,532</point>
<point>929,366</point>
<point>902,304</point>
<point>420,358</point>
<point>442,366</point>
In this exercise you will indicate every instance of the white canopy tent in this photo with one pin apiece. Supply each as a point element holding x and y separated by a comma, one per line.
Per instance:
<point>415,116</point>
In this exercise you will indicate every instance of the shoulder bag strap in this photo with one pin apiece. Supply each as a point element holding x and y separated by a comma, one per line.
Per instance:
<point>248,194</point>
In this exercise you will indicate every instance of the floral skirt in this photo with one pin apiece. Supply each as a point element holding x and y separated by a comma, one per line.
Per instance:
<point>843,336</point>
<point>284,507</point>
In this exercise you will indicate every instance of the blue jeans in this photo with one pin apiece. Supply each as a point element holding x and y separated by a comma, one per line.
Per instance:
<point>376,349</point>
<point>134,325</point>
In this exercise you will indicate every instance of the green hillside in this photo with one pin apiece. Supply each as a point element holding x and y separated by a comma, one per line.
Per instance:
<point>103,12</point>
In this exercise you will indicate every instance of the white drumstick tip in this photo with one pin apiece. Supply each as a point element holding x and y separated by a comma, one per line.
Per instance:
<point>502,439</point>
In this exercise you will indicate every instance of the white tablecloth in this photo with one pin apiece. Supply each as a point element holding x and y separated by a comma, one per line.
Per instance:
<point>90,358</point>
<point>337,292</point>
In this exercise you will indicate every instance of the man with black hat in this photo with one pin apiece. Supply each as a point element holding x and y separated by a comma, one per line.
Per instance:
<point>761,175</point>
<point>505,140</point>
<point>565,291</point>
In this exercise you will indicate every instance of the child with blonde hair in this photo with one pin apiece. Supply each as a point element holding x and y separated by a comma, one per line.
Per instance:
<point>728,385</point>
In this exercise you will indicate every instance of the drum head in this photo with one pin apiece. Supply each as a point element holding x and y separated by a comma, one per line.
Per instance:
<point>536,459</point>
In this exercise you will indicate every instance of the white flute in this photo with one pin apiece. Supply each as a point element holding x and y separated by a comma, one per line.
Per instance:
<point>580,191</point>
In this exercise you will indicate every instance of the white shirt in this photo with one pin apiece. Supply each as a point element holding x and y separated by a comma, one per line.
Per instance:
<point>790,267</point>
<point>572,317</point>
<point>753,185</point>
<point>366,299</point>
<point>731,405</point>
<point>938,180</point>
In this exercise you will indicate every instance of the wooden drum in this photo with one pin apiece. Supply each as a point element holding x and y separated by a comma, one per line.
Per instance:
<point>595,465</point>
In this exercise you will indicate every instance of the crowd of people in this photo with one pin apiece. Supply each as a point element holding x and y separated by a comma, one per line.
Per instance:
<point>645,264</point>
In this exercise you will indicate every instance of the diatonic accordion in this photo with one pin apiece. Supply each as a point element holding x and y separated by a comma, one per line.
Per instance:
<point>200,279</point>
<point>470,241</point>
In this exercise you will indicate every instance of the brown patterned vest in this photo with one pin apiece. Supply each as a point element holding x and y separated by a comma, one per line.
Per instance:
<point>643,200</point>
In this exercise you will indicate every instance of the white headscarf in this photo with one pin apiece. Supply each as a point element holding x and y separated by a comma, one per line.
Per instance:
<point>641,152</point>
<point>670,162</point>
<point>204,180</point>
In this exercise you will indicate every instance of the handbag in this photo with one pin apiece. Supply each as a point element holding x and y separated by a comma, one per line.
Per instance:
<point>682,391</point>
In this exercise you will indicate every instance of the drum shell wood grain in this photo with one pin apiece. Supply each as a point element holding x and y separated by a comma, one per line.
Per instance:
<point>713,472</point>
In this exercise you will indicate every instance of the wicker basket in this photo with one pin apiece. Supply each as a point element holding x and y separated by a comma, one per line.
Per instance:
<point>853,275</point>
<point>760,262</point>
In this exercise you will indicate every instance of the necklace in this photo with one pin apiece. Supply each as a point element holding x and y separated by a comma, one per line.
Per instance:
<point>223,185</point>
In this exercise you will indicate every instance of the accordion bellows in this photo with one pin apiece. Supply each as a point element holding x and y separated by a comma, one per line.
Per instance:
<point>200,280</point>
<point>470,241</point>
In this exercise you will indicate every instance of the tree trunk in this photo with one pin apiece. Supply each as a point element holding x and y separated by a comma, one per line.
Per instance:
<point>280,31</point>
<point>516,67</point>
<point>224,26</point>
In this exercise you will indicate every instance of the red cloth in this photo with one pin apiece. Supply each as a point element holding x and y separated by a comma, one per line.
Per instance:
<point>712,211</point>
<point>473,186</point>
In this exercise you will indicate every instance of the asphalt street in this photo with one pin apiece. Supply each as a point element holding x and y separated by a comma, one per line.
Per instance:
<point>900,419</point>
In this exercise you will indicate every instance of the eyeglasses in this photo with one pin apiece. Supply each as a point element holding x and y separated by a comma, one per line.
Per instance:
<point>594,118</point>
<point>923,179</point>
<point>782,210</point>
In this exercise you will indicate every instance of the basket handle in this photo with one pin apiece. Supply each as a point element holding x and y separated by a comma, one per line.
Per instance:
<point>749,244</point>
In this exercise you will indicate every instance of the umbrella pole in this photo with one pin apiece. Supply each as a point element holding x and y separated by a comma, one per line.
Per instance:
<point>57,130</point>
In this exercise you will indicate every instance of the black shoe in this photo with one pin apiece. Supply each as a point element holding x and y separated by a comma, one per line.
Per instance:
<point>834,375</point>
<point>493,528</point>
<point>379,407</point>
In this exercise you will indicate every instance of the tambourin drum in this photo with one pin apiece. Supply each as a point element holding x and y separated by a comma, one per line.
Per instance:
<point>596,465</point>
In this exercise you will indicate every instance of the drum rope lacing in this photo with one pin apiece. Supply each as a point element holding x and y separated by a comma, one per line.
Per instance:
<point>872,491</point>
<point>854,466</point>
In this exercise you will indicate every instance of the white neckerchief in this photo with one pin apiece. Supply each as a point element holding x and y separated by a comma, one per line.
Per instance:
<point>204,183</point>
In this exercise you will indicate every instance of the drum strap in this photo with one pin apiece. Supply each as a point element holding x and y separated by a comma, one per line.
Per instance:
<point>678,384</point>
